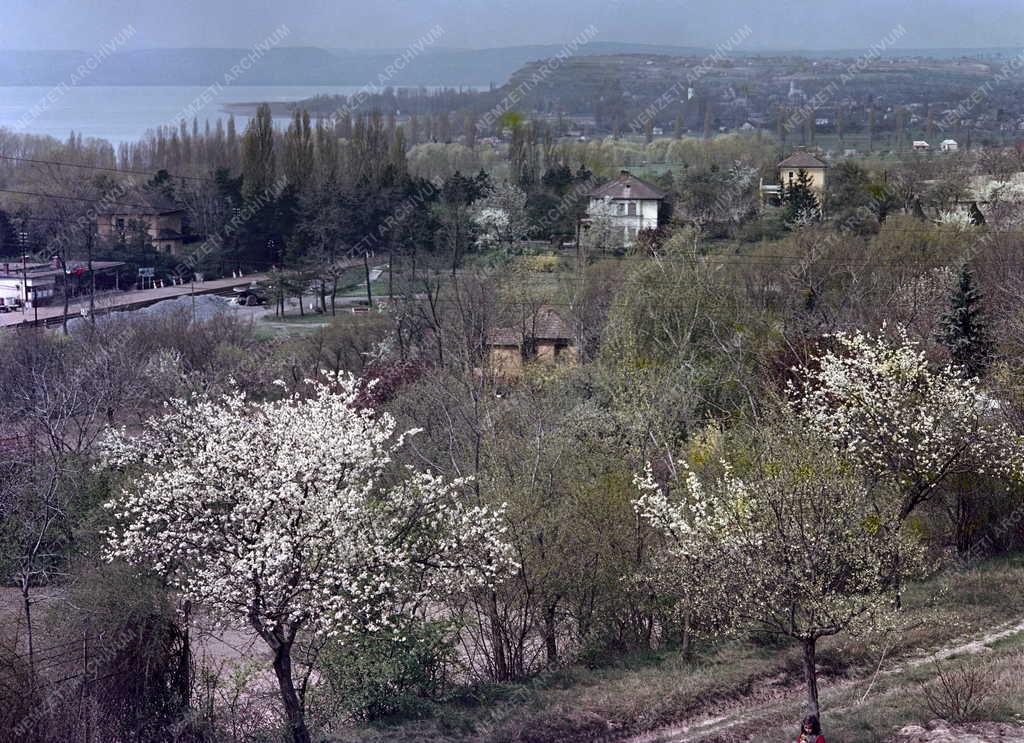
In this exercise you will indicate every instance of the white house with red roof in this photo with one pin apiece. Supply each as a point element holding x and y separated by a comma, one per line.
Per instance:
<point>629,203</point>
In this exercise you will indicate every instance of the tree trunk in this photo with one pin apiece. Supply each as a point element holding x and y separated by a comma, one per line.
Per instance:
<point>184,680</point>
<point>292,703</point>
<point>687,634</point>
<point>550,638</point>
<point>811,677</point>
<point>391,288</point>
<point>27,604</point>
<point>497,643</point>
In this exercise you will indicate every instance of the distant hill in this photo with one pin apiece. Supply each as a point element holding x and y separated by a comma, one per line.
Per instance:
<point>292,65</point>
<point>315,66</point>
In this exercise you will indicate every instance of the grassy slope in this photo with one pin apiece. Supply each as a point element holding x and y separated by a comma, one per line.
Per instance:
<point>644,693</point>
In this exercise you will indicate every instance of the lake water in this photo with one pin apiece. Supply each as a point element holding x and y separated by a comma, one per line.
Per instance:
<point>125,112</point>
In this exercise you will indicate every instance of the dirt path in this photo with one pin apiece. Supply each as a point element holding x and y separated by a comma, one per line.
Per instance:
<point>775,701</point>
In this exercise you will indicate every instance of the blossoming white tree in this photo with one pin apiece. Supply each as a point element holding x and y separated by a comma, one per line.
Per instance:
<point>501,218</point>
<point>290,516</point>
<point>799,546</point>
<point>880,404</point>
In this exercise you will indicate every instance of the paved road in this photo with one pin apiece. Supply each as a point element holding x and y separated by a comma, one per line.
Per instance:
<point>125,300</point>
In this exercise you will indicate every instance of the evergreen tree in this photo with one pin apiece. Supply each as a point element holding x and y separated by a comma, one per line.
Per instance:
<point>963,329</point>
<point>977,218</point>
<point>799,199</point>
<point>9,246</point>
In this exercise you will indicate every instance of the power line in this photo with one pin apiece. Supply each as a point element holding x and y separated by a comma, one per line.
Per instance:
<point>105,169</point>
<point>64,197</point>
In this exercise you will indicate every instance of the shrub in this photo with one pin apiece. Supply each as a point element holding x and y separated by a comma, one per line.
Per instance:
<point>544,263</point>
<point>375,677</point>
<point>958,694</point>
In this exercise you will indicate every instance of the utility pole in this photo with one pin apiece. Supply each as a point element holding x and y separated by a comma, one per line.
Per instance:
<point>67,296</point>
<point>24,286</point>
<point>580,279</point>
<point>92,274</point>
<point>366,266</point>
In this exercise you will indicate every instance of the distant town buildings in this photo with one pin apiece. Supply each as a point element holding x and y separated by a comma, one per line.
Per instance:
<point>631,204</point>
<point>949,145</point>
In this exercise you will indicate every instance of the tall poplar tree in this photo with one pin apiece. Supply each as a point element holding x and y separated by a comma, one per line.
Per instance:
<point>258,166</point>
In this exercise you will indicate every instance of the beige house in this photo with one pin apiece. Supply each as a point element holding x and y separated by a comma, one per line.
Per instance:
<point>542,336</point>
<point>156,215</point>
<point>789,170</point>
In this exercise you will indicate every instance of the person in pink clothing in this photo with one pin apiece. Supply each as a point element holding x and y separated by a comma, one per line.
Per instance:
<point>810,731</point>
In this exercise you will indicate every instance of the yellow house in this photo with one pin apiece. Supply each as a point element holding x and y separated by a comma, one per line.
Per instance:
<point>543,336</point>
<point>153,214</point>
<point>789,170</point>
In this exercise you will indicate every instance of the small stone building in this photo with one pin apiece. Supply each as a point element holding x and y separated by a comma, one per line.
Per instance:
<point>542,336</point>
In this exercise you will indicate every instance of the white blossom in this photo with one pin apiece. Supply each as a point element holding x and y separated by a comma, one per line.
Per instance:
<point>881,405</point>
<point>288,514</point>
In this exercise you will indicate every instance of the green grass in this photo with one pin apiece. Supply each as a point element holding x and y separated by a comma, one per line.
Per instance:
<point>378,287</point>
<point>653,690</point>
<point>897,700</point>
<point>310,318</point>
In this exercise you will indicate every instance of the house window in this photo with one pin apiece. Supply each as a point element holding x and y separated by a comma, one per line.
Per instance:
<point>620,208</point>
<point>632,208</point>
<point>120,224</point>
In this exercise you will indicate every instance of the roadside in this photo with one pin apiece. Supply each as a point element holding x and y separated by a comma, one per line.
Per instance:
<point>126,300</point>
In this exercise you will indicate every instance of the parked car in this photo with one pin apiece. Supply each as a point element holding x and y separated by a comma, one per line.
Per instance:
<point>249,296</point>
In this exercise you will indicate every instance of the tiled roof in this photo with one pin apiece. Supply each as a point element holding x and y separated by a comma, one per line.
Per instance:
<point>543,325</point>
<point>800,159</point>
<point>628,186</point>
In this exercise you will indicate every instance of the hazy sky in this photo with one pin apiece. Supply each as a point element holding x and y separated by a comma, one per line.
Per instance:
<point>790,24</point>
